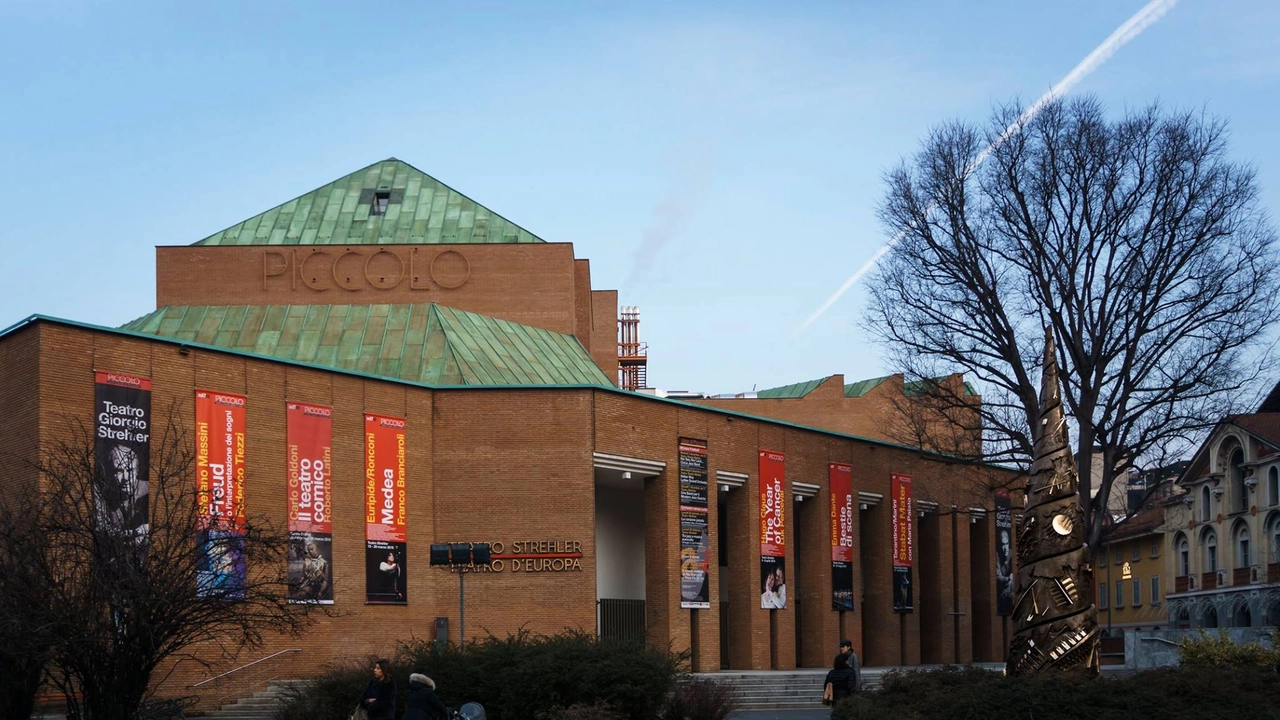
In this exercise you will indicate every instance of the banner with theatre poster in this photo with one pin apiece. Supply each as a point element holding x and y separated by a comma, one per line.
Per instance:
<point>695,542</point>
<point>840,478</point>
<point>122,452</point>
<point>386,536</point>
<point>220,476</point>
<point>309,441</point>
<point>773,531</point>
<point>1004,554</point>
<point>903,542</point>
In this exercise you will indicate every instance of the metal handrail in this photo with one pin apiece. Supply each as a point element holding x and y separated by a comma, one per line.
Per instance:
<point>246,665</point>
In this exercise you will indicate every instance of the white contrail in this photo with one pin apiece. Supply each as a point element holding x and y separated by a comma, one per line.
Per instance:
<point>1131,28</point>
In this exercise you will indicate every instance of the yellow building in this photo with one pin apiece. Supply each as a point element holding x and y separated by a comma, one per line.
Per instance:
<point>1131,574</point>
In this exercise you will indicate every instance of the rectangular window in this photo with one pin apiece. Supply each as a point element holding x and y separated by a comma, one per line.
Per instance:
<point>1119,555</point>
<point>1119,593</point>
<point>1102,557</point>
<point>1102,596</point>
<point>1155,590</point>
<point>1137,553</point>
<point>1137,592</point>
<point>1155,548</point>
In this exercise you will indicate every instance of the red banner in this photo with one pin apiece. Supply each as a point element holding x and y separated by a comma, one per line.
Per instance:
<point>220,475</point>
<point>220,470</point>
<point>903,542</point>
<point>385,528</point>
<point>310,446</point>
<point>773,531</point>
<point>310,441</point>
<point>840,478</point>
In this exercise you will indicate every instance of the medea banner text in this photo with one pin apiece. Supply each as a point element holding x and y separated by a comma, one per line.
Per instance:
<point>220,474</point>
<point>840,478</point>
<point>122,451</point>
<point>1004,554</point>
<point>310,445</point>
<point>773,531</point>
<point>385,552</point>
<point>695,545</point>
<point>903,542</point>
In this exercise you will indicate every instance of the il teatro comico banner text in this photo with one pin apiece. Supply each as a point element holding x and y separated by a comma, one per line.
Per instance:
<point>307,463</point>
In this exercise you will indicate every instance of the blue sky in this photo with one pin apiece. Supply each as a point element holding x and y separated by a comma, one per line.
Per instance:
<point>719,163</point>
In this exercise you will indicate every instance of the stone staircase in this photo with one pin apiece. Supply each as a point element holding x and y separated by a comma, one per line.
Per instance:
<point>259,706</point>
<point>796,689</point>
<point>780,689</point>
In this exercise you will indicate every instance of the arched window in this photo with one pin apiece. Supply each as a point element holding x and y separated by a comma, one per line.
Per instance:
<point>1206,504</point>
<point>1239,494</point>
<point>1210,542</point>
<point>1184,555</point>
<point>1243,557</point>
<point>1273,485</point>
<point>1242,617</point>
<point>1273,537</point>
<point>1210,617</point>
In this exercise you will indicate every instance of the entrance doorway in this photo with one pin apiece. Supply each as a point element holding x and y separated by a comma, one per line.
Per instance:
<point>620,555</point>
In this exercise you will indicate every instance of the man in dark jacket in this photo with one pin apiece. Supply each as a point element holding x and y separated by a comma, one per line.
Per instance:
<point>846,649</point>
<point>422,702</point>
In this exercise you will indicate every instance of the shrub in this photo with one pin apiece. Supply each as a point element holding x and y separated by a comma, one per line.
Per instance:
<point>1205,650</point>
<point>515,678</point>
<point>701,699</point>
<point>1170,694</point>
<point>330,696</point>
<point>595,711</point>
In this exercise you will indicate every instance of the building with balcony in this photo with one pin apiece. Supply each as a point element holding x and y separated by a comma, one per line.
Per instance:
<point>1223,529</point>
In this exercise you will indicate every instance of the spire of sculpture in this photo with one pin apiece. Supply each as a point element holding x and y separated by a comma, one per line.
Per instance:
<point>1054,618</point>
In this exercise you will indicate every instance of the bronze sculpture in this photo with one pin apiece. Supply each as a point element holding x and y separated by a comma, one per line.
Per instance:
<point>1054,617</point>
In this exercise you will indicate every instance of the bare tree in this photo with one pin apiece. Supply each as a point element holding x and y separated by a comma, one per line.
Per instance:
<point>24,646</point>
<point>119,607</point>
<point>1137,241</point>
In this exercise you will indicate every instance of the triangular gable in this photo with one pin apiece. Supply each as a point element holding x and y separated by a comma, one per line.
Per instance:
<point>1239,424</point>
<point>418,209</point>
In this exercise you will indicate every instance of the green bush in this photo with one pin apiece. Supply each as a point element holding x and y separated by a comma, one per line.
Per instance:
<point>518,677</point>
<point>1205,650</point>
<point>332,695</point>
<point>700,699</point>
<point>596,711</point>
<point>1170,694</point>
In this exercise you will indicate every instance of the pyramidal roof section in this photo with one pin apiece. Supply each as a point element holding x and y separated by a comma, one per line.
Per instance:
<point>388,202</point>
<point>430,344</point>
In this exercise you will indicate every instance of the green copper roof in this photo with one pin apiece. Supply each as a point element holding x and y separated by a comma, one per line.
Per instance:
<point>862,387</point>
<point>430,344</point>
<point>419,209</point>
<point>795,390</point>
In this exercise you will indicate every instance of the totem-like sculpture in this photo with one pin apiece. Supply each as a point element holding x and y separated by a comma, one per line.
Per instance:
<point>1054,618</point>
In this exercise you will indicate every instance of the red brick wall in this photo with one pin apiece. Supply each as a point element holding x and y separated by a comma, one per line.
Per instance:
<point>535,284</point>
<point>502,465</point>
<point>19,409</point>
<point>883,413</point>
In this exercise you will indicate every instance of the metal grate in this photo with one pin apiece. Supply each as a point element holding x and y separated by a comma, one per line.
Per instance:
<point>622,620</point>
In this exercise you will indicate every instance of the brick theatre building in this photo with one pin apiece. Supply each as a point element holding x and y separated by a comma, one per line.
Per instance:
<point>382,364</point>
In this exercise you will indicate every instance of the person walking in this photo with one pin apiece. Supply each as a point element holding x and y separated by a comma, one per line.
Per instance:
<point>422,702</point>
<point>841,681</point>
<point>379,696</point>
<point>846,649</point>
